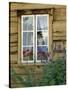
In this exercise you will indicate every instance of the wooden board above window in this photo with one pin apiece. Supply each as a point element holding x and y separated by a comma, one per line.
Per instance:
<point>34,11</point>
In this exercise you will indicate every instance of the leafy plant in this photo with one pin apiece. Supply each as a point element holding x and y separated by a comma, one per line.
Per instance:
<point>54,73</point>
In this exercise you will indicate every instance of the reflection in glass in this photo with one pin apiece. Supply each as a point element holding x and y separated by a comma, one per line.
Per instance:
<point>27,38</point>
<point>42,23</point>
<point>27,53</point>
<point>27,23</point>
<point>42,38</point>
<point>42,52</point>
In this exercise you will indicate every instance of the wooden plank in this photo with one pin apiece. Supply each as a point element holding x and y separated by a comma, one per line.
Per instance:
<point>13,27</point>
<point>58,46</point>
<point>20,6</point>
<point>59,38</point>
<point>35,11</point>
<point>13,13</point>
<point>32,65</point>
<point>59,26</point>
<point>13,38</point>
<point>19,40</point>
<point>13,49</point>
<point>38,70</point>
<point>25,71</point>
<point>13,58</point>
<point>13,24</point>
<point>60,14</point>
<point>50,34</point>
<point>14,78</point>
<point>13,61</point>
<point>13,19</point>
<point>57,55</point>
<point>13,44</point>
<point>36,78</point>
<point>17,85</point>
<point>62,34</point>
<point>21,71</point>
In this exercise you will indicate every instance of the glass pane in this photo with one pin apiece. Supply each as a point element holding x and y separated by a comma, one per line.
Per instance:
<point>41,22</point>
<point>42,53</point>
<point>27,38</point>
<point>42,38</point>
<point>27,23</point>
<point>27,53</point>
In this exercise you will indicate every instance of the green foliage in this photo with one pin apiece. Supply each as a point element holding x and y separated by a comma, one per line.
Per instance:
<point>24,81</point>
<point>54,73</point>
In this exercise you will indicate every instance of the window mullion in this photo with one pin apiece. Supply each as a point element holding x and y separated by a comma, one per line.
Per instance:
<point>36,36</point>
<point>33,38</point>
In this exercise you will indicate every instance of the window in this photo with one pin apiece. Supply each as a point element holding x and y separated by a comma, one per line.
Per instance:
<point>34,38</point>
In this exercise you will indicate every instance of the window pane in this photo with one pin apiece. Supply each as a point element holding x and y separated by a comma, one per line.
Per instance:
<point>27,23</point>
<point>42,38</point>
<point>41,22</point>
<point>27,53</point>
<point>27,38</point>
<point>42,52</point>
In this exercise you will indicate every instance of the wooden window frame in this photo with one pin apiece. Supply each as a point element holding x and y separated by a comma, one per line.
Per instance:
<point>24,12</point>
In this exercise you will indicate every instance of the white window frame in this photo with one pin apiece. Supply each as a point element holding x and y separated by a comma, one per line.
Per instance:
<point>34,28</point>
<point>40,30</point>
<point>30,61</point>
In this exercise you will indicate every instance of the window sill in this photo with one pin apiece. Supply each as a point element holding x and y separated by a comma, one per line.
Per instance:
<point>31,64</point>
